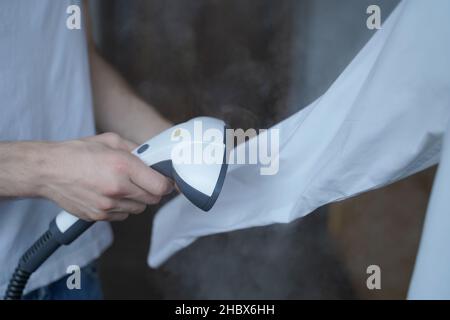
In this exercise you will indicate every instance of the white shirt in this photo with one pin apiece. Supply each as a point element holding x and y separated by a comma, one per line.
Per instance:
<point>45,94</point>
<point>383,119</point>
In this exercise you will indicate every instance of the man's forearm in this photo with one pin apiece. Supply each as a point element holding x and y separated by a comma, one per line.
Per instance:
<point>95,178</point>
<point>23,165</point>
<point>118,108</point>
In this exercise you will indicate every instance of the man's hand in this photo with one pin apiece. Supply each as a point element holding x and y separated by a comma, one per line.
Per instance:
<point>99,179</point>
<point>96,178</point>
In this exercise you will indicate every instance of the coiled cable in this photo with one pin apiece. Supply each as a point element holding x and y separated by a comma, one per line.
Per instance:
<point>29,262</point>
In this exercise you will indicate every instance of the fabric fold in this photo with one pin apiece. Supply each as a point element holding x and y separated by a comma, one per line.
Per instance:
<point>382,120</point>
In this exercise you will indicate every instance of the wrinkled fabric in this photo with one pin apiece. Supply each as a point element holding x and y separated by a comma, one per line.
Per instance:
<point>383,119</point>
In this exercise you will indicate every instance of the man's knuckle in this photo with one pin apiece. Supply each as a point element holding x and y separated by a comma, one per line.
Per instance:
<point>92,216</point>
<point>106,204</point>
<point>98,215</point>
<point>105,216</point>
<point>148,199</point>
<point>161,186</point>
<point>112,137</point>
<point>119,164</point>
<point>102,216</point>
<point>114,189</point>
<point>155,200</point>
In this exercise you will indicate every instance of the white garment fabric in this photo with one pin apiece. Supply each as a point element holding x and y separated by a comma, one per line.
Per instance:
<point>383,119</point>
<point>431,277</point>
<point>45,95</point>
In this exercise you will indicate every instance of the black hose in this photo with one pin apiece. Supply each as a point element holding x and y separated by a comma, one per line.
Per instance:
<point>29,262</point>
<point>16,285</point>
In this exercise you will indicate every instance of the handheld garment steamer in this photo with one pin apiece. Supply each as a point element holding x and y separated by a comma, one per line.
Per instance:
<point>200,183</point>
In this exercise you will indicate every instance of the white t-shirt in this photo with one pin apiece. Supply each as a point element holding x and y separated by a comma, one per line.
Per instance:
<point>45,94</point>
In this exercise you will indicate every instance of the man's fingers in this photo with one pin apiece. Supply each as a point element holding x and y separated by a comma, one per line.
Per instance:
<point>140,195</point>
<point>128,207</point>
<point>148,179</point>
<point>117,216</point>
<point>129,145</point>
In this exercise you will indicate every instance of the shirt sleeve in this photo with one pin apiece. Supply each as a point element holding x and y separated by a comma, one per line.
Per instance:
<point>382,120</point>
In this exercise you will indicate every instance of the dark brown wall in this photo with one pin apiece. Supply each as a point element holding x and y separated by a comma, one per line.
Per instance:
<point>223,58</point>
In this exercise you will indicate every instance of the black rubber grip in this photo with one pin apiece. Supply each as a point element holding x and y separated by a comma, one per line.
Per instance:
<point>73,232</point>
<point>38,252</point>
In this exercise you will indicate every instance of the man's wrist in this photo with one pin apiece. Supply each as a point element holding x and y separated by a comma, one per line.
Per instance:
<point>25,167</point>
<point>42,155</point>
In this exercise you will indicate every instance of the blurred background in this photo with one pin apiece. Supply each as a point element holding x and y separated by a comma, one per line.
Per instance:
<point>254,63</point>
